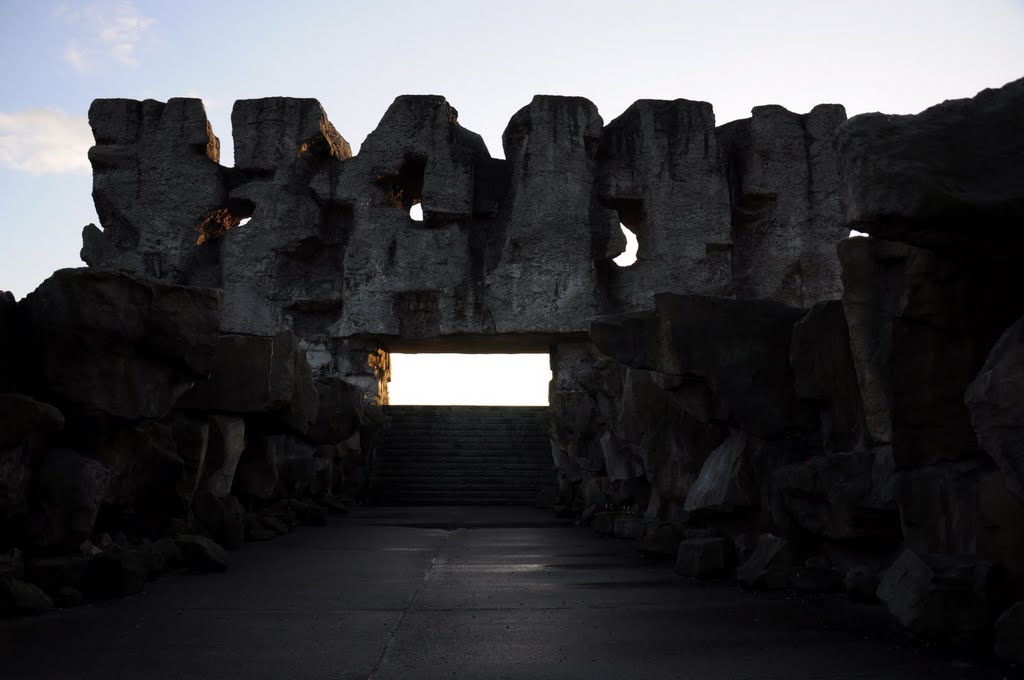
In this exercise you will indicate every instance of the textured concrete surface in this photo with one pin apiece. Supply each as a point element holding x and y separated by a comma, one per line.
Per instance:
<point>459,593</point>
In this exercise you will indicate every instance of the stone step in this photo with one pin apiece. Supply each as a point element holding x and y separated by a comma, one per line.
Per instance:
<point>438,455</point>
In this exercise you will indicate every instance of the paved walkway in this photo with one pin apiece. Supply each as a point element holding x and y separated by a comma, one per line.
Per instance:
<point>457,593</point>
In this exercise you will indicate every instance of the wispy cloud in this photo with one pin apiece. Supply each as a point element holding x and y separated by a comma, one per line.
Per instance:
<point>103,32</point>
<point>44,141</point>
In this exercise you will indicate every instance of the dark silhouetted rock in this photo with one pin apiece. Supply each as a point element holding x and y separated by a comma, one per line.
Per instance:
<point>256,530</point>
<point>704,557</point>
<point>1009,635</point>
<point>67,597</point>
<point>222,519</point>
<point>162,556</point>
<point>146,470</point>
<point>22,417</point>
<point>121,344</point>
<point>945,178</point>
<point>938,596</point>
<point>339,411</point>
<point>861,584</point>
<point>739,347</point>
<point>191,437</point>
<point>256,374</point>
<point>18,598</point>
<point>920,328</point>
<point>840,496</point>
<point>996,400</point>
<point>824,372</point>
<point>964,508</point>
<point>257,473</point>
<point>770,565</point>
<point>115,574</point>
<point>726,482</point>
<point>201,554</point>
<point>10,343</point>
<point>226,443</point>
<point>53,573</point>
<point>68,489</point>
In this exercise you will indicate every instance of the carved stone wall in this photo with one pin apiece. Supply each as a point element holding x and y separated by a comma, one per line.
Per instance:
<point>513,252</point>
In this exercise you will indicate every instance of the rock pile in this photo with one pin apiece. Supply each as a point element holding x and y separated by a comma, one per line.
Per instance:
<point>870,443</point>
<point>129,422</point>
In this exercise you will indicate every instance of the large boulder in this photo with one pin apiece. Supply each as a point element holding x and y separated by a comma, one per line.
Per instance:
<point>823,371</point>
<point>123,345</point>
<point>67,491</point>
<point>147,474</point>
<point>739,348</point>
<point>18,598</point>
<point>255,374</point>
<point>996,401</point>
<point>222,519</point>
<point>948,177</point>
<point>1009,634</point>
<point>920,327</point>
<point>23,418</point>
<point>26,427</point>
<point>726,482</point>
<point>770,565</point>
<point>840,496</point>
<point>201,554</point>
<point>339,410</point>
<point>938,596</point>
<point>257,473</point>
<point>964,508</point>
<point>227,441</point>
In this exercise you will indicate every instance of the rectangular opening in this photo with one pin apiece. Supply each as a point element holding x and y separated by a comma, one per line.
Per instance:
<point>469,379</point>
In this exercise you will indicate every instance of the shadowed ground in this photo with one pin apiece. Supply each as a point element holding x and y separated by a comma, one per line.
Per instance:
<point>422,593</point>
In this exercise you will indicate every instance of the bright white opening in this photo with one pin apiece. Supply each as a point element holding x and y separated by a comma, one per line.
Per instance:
<point>856,234</point>
<point>628,255</point>
<point>416,212</point>
<point>244,221</point>
<point>470,379</point>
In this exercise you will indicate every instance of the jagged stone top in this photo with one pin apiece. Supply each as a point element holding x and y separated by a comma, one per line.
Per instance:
<point>524,245</point>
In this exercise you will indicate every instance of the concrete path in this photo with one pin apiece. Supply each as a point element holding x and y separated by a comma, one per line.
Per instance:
<point>458,593</point>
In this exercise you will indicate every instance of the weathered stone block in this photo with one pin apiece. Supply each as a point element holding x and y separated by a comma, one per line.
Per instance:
<point>770,565</point>
<point>938,596</point>
<point>121,344</point>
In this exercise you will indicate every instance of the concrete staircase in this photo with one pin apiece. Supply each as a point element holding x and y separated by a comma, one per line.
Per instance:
<point>462,455</point>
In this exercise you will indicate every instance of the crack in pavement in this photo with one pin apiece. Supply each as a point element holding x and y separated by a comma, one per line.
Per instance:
<point>408,607</point>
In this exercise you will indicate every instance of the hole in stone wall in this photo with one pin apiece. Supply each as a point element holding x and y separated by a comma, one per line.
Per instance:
<point>633,223</point>
<point>244,221</point>
<point>628,256</point>
<point>469,379</point>
<point>857,234</point>
<point>405,189</point>
<point>416,212</point>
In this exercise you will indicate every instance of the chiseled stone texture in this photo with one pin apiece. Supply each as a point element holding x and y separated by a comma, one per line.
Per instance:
<point>947,178</point>
<point>785,197</point>
<point>156,180</point>
<point>520,246</point>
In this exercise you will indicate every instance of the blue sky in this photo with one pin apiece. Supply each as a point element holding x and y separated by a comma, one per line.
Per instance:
<point>488,58</point>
